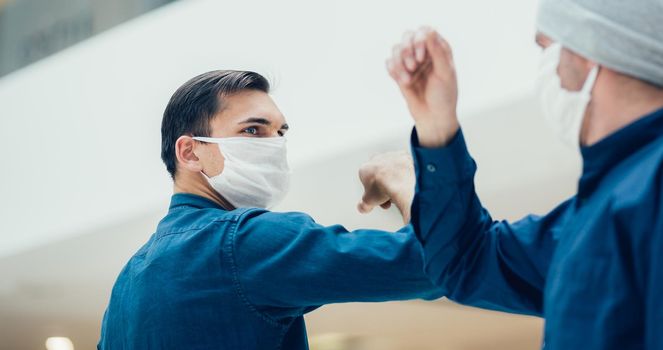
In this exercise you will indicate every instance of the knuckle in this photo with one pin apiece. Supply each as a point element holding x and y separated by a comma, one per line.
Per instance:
<point>381,175</point>
<point>367,171</point>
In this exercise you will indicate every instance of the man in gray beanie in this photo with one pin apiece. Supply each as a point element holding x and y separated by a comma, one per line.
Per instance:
<point>593,267</point>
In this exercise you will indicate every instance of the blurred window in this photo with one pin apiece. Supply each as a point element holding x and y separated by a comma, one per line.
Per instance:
<point>33,29</point>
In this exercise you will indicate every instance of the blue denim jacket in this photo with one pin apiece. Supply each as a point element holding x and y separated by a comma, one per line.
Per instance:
<point>593,267</point>
<point>243,279</point>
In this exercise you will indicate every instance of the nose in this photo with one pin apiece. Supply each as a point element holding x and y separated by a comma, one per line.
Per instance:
<point>543,40</point>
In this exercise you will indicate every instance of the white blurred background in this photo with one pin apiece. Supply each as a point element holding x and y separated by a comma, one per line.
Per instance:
<point>82,185</point>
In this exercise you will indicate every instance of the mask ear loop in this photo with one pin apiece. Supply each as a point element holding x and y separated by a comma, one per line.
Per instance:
<point>551,56</point>
<point>202,172</point>
<point>591,80</point>
<point>586,91</point>
<point>205,140</point>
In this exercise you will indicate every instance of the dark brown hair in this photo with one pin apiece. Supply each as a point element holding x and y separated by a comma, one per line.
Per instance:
<point>194,105</point>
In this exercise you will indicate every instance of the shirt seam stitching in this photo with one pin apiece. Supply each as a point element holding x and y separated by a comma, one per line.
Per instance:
<point>230,246</point>
<point>184,230</point>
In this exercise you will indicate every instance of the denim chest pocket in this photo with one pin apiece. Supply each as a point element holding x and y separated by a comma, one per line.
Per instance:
<point>590,300</point>
<point>582,269</point>
<point>587,273</point>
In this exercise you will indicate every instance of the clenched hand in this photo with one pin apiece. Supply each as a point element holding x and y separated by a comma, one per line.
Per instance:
<point>388,178</point>
<point>423,67</point>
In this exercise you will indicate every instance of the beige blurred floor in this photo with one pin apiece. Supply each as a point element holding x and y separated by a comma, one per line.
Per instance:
<point>419,325</point>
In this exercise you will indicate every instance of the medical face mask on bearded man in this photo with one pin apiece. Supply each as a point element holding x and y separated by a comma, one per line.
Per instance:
<point>563,110</point>
<point>255,170</point>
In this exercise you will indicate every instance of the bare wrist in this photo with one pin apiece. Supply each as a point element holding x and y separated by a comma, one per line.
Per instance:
<point>434,135</point>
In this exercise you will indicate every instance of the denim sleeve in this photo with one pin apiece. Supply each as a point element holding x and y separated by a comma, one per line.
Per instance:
<point>654,289</point>
<point>288,264</point>
<point>637,220</point>
<point>475,260</point>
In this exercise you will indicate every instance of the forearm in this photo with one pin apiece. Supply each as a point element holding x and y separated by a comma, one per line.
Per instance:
<point>303,264</point>
<point>441,209</point>
<point>474,259</point>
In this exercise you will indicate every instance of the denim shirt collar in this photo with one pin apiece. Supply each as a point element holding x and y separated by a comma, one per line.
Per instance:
<point>599,158</point>
<point>191,200</point>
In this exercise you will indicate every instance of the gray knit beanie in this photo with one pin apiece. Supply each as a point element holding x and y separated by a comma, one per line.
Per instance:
<point>623,35</point>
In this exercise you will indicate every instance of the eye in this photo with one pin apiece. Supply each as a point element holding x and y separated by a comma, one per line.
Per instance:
<point>252,130</point>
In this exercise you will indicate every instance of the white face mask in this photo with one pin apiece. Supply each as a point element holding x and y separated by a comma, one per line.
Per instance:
<point>563,110</point>
<point>255,171</point>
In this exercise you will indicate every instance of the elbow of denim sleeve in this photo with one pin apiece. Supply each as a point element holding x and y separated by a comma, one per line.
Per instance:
<point>435,293</point>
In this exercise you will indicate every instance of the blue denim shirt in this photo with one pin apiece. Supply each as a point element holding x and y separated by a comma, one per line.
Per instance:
<point>593,267</point>
<point>243,279</point>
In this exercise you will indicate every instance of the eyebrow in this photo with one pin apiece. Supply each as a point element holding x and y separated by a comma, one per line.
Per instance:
<point>262,121</point>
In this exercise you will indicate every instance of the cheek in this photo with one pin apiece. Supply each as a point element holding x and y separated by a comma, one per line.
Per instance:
<point>570,72</point>
<point>212,161</point>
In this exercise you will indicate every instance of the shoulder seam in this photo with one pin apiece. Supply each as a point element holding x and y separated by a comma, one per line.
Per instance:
<point>230,248</point>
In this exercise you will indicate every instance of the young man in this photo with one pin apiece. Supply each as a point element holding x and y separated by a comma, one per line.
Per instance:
<point>221,271</point>
<point>593,267</point>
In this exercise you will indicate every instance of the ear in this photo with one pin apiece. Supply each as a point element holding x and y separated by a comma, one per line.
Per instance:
<point>185,148</point>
